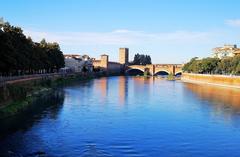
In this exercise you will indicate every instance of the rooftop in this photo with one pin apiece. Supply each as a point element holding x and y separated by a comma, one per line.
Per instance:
<point>237,52</point>
<point>226,47</point>
<point>71,56</point>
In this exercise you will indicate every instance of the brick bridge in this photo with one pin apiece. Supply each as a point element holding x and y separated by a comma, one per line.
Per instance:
<point>123,65</point>
<point>153,69</point>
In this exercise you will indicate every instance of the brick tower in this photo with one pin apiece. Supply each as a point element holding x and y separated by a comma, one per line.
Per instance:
<point>104,61</point>
<point>123,56</point>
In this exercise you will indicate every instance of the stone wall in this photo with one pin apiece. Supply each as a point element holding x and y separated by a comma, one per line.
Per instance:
<point>114,67</point>
<point>219,80</point>
<point>107,66</point>
<point>97,63</point>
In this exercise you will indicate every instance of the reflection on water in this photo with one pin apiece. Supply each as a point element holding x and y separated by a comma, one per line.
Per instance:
<point>139,82</point>
<point>217,95</point>
<point>122,90</point>
<point>127,117</point>
<point>50,103</point>
<point>224,101</point>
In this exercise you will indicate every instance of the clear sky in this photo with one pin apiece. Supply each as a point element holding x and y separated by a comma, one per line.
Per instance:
<point>171,31</point>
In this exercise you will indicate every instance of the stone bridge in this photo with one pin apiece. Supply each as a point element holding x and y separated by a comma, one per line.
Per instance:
<point>153,69</point>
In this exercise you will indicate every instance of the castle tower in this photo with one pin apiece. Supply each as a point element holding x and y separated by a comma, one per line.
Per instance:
<point>123,56</point>
<point>104,61</point>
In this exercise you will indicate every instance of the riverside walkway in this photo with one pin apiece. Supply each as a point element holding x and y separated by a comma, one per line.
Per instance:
<point>15,79</point>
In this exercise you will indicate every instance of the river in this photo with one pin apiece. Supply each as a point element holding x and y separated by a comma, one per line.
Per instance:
<point>127,117</point>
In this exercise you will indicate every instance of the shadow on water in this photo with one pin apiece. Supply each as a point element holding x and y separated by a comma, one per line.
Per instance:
<point>51,103</point>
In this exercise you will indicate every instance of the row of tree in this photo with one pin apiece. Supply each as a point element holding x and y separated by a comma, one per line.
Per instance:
<point>141,59</point>
<point>225,66</point>
<point>20,55</point>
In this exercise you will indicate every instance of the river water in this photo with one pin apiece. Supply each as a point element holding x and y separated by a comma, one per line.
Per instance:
<point>127,117</point>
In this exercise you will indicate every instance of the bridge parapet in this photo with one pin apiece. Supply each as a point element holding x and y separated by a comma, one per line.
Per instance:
<point>157,65</point>
<point>162,66</point>
<point>179,65</point>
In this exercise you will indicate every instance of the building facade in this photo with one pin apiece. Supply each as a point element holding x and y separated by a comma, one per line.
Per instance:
<point>226,51</point>
<point>1,21</point>
<point>77,63</point>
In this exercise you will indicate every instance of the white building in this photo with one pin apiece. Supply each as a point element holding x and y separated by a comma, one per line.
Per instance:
<point>77,63</point>
<point>1,21</point>
<point>225,51</point>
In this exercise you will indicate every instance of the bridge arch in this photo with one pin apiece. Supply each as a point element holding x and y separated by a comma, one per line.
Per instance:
<point>155,69</point>
<point>162,71</point>
<point>137,71</point>
<point>178,73</point>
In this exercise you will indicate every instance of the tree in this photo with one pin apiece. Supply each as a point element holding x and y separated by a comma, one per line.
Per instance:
<point>191,66</point>
<point>230,65</point>
<point>20,55</point>
<point>237,70</point>
<point>141,59</point>
<point>224,66</point>
<point>209,65</point>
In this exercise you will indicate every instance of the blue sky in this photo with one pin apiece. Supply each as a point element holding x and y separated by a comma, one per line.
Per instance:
<point>171,31</point>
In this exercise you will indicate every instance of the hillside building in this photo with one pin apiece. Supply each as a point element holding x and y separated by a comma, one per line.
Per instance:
<point>226,51</point>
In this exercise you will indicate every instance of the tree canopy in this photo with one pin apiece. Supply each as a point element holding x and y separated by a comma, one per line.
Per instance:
<point>141,59</point>
<point>20,55</point>
<point>226,66</point>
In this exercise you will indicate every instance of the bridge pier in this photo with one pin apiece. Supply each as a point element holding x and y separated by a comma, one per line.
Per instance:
<point>151,68</point>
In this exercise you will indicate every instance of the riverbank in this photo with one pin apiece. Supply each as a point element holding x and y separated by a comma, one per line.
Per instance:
<point>216,80</point>
<point>18,96</point>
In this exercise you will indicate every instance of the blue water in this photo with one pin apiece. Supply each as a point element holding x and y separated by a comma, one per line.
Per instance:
<point>128,117</point>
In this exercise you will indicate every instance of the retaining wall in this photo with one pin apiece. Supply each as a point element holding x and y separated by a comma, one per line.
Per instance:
<point>219,80</point>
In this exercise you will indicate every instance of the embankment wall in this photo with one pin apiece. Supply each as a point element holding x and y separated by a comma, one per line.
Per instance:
<point>218,80</point>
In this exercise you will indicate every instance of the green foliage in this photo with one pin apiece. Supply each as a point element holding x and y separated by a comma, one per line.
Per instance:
<point>141,59</point>
<point>171,77</point>
<point>146,73</point>
<point>20,96</point>
<point>14,108</point>
<point>17,92</point>
<point>20,55</point>
<point>227,66</point>
<point>209,65</point>
<point>2,94</point>
<point>46,83</point>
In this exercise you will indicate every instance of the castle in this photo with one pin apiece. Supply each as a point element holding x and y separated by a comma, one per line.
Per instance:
<point>113,67</point>
<point>78,63</point>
